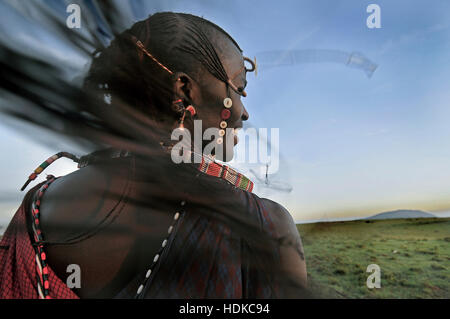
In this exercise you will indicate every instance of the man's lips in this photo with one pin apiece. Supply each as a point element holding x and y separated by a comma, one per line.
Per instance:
<point>236,139</point>
<point>235,133</point>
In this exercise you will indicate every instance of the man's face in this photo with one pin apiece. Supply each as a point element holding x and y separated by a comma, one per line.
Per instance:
<point>214,92</point>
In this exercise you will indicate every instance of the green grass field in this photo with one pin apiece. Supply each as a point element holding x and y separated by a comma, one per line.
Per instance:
<point>413,254</point>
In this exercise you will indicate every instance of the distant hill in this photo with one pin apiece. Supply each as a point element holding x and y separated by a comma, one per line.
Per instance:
<point>402,213</point>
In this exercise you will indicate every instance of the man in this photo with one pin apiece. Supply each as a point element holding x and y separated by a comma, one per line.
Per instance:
<point>139,225</point>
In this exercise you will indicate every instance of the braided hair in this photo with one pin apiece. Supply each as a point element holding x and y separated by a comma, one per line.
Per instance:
<point>179,41</point>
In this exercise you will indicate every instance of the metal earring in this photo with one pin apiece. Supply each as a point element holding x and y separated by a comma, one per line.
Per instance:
<point>189,109</point>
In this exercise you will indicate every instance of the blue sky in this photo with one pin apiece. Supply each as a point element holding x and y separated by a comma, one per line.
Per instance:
<point>351,145</point>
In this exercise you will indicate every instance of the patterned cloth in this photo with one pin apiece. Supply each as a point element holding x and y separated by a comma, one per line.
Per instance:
<point>207,259</point>
<point>17,261</point>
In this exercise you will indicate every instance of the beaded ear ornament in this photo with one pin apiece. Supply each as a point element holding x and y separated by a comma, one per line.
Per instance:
<point>179,105</point>
<point>224,115</point>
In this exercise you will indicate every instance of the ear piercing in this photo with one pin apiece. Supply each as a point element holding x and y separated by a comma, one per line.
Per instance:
<point>181,107</point>
<point>189,109</point>
<point>224,115</point>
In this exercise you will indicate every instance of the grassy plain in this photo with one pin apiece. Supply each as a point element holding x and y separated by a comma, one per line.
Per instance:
<point>413,255</point>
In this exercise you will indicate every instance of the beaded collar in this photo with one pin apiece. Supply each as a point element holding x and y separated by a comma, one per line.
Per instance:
<point>225,172</point>
<point>208,166</point>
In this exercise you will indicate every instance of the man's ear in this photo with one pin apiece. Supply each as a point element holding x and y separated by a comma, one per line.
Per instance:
<point>186,88</point>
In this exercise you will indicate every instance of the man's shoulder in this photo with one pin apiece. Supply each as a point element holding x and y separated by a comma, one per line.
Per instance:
<point>83,197</point>
<point>280,216</point>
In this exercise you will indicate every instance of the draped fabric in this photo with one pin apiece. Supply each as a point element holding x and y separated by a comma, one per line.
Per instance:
<point>18,261</point>
<point>205,259</point>
<point>213,262</point>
